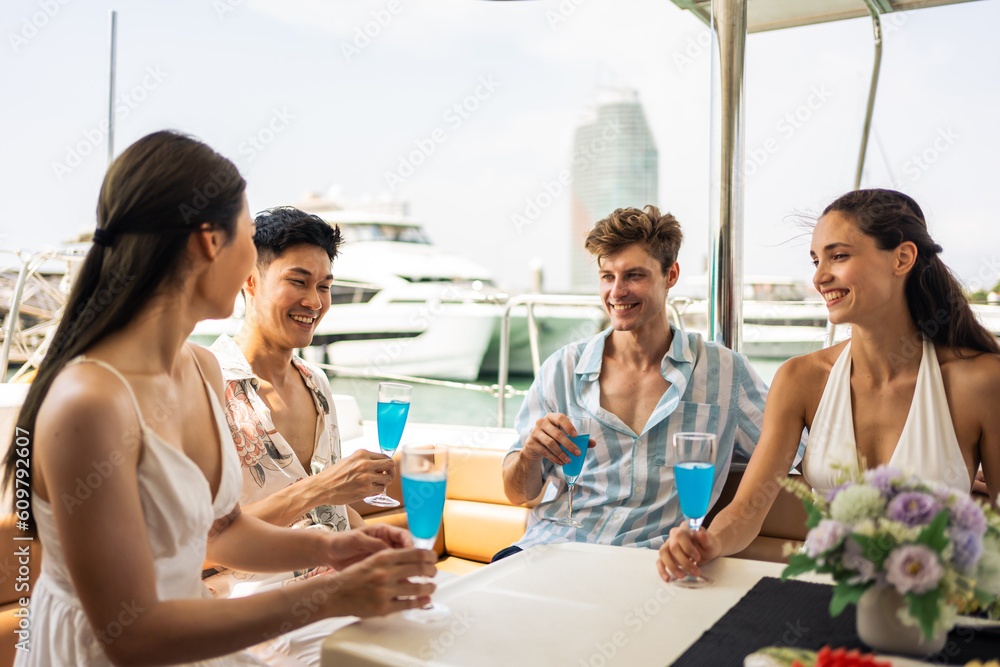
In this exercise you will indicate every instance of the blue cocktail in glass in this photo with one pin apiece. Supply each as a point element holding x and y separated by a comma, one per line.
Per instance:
<point>572,471</point>
<point>694,474</point>
<point>393,407</point>
<point>425,478</point>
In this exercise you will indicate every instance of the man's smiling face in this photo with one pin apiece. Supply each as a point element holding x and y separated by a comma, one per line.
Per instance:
<point>292,295</point>
<point>634,288</point>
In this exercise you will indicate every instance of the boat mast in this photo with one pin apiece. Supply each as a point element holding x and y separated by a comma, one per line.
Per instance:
<point>725,302</point>
<point>877,27</point>
<point>113,50</point>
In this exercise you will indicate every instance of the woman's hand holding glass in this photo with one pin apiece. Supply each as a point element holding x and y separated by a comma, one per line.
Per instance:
<point>684,550</point>
<point>381,584</point>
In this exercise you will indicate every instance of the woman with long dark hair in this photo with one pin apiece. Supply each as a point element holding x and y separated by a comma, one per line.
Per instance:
<point>134,480</point>
<point>914,387</point>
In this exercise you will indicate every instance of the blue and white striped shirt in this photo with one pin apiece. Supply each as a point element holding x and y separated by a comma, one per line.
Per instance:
<point>626,493</point>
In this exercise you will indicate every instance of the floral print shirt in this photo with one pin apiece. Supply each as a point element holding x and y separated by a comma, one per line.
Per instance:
<point>268,462</point>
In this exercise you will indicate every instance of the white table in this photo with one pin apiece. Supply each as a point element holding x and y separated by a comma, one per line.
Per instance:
<point>582,605</point>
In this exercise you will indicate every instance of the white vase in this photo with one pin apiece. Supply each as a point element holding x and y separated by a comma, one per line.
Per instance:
<point>879,625</point>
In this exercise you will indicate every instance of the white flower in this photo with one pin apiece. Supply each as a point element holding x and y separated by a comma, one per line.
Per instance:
<point>899,531</point>
<point>856,503</point>
<point>988,569</point>
<point>865,528</point>
<point>947,616</point>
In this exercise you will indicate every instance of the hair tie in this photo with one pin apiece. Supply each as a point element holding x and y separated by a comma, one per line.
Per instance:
<point>103,237</point>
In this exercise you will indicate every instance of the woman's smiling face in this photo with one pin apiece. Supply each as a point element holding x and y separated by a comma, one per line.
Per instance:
<point>855,277</point>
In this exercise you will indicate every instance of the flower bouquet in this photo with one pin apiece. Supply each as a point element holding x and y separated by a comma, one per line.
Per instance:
<point>939,550</point>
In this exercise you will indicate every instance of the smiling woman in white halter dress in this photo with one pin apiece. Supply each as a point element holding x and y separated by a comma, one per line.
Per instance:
<point>132,481</point>
<point>915,387</point>
<point>927,447</point>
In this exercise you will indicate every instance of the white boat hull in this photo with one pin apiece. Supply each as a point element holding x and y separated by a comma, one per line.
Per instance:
<point>450,346</point>
<point>425,339</point>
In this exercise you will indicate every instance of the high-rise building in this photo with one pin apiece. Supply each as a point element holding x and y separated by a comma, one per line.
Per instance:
<point>615,165</point>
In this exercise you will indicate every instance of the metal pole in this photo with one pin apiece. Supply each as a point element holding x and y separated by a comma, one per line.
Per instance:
<point>503,370</point>
<point>13,314</point>
<point>536,361</point>
<point>504,361</point>
<point>877,27</point>
<point>113,49</point>
<point>729,33</point>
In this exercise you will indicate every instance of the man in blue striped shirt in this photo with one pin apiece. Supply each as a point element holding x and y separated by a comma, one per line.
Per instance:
<point>633,386</point>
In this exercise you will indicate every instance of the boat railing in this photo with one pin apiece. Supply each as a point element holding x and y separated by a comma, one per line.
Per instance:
<point>502,390</point>
<point>367,374</point>
<point>28,273</point>
<point>529,301</point>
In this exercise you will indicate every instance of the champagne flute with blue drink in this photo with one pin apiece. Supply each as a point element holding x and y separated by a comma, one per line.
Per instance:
<point>425,478</point>
<point>393,406</point>
<point>573,469</point>
<point>694,473</point>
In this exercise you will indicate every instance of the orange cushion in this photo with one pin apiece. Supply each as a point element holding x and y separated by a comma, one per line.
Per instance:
<point>478,530</point>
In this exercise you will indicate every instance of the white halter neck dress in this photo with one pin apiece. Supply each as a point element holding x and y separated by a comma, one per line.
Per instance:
<point>179,511</point>
<point>927,447</point>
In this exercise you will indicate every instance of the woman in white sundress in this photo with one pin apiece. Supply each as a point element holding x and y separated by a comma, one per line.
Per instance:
<point>134,481</point>
<point>915,387</point>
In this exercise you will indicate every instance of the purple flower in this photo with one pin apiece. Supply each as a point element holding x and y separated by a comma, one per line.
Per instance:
<point>966,514</point>
<point>832,493</point>
<point>913,508</point>
<point>882,478</point>
<point>826,535</point>
<point>968,547</point>
<point>854,560</point>
<point>913,567</point>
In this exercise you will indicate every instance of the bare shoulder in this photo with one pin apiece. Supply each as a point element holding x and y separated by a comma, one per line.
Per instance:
<point>87,412</point>
<point>86,394</point>
<point>809,371</point>
<point>209,366</point>
<point>969,371</point>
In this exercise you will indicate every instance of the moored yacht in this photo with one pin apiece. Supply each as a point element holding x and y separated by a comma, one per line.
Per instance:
<point>782,317</point>
<point>401,305</point>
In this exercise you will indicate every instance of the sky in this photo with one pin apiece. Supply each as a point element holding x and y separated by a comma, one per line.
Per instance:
<point>466,110</point>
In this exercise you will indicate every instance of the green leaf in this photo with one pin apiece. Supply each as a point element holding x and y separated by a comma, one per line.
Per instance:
<point>845,594</point>
<point>873,550</point>
<point>797,564</point>
<point>984,598</point>
<point>925,609</point>
<point>814,515</point>
<point>933,534</point>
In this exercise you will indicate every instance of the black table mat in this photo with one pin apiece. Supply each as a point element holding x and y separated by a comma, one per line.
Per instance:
<point>796,613</point>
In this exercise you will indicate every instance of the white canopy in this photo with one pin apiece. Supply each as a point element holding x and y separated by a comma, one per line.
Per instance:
<point>764,15</point>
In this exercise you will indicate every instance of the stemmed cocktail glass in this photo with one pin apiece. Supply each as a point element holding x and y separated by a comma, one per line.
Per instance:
<point>425,476</point>
<point>694,474</point>
<point>393,406</point>
<point>572,470</point>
